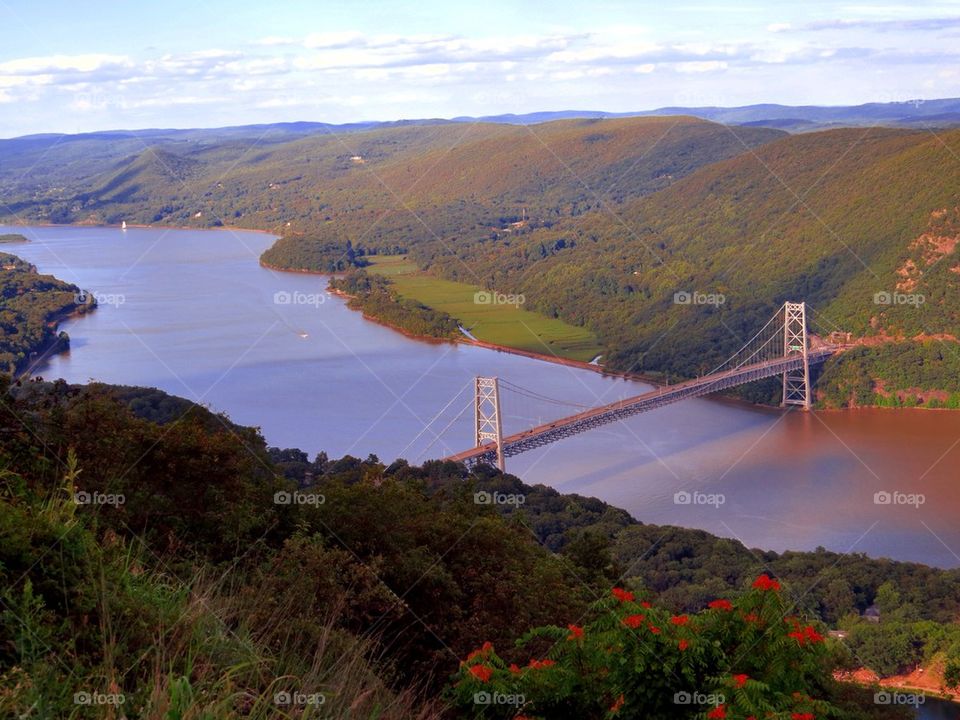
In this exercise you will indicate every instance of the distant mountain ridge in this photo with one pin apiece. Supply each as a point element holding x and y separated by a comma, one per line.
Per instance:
<point>897,113</point>
<point>796,117</point>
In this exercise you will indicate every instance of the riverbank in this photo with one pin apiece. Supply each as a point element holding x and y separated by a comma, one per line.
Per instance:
<point>928,682</point>
<point>139,226</point>
<point>475,342</point>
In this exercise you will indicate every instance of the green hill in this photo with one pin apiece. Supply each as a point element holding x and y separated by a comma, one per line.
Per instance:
<point>855,222</point>
<point>382,187</point>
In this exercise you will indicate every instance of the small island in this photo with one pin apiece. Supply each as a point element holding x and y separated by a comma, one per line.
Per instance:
<point>13,238</point>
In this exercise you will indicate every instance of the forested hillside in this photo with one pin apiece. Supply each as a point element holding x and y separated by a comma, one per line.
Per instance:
<point>30,306</point>
<point>388,187</point>
<point>862,224</point>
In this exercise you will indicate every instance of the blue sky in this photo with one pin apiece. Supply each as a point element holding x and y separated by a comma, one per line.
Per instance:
<point>70,67</point>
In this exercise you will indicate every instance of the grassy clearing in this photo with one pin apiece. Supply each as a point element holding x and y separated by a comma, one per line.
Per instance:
<point>500,324</point>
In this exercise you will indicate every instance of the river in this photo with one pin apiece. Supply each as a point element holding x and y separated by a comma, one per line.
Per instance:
<point>193,313</point>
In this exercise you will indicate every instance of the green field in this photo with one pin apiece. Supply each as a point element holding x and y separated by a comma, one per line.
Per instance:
<point>499,324</point>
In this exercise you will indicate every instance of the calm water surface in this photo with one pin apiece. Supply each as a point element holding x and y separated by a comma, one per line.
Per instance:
<point>201,319</point>
<point>933,709</point>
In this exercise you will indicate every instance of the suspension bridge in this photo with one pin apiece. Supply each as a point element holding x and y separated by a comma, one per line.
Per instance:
<point>780,348</point>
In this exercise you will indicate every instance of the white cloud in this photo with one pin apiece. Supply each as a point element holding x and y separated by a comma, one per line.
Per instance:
<point>701,66</point>
<point>62,63</point>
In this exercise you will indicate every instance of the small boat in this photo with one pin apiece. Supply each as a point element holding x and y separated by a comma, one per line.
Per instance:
<point>124,225</point>
<point>302,334</point>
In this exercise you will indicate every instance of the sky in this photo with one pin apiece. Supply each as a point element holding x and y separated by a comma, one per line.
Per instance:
<point>75,67</point>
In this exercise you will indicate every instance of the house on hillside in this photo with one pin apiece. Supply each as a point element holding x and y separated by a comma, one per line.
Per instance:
<point>872,614</point>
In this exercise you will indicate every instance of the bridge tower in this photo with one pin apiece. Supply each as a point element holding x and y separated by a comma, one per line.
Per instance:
<point>796,383</point>
<point>486,414</point>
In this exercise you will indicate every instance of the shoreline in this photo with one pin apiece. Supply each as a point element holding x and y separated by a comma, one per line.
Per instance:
<point>140,226</point>
<point>53,346</point>
<point>377,321</point>
<point>462,339</point>
<point>867,679</point>
<point>474,342</point>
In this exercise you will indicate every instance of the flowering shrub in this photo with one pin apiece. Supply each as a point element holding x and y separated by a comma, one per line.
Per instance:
<point>732,661</point>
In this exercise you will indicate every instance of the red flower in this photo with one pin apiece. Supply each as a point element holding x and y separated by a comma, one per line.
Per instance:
<point>618,703</point>
<point>740,680</point>
<point>765,583</point>
<point>482,650</point>
<point>654,629</point>
<point>645,604</point>
<point>718,713</point>
<point>798,636</point>
<point>683,644</point>
<point>812,635</point>
<point>622,595</point>
<point>751,617</point>
<point>482,672</point>
<point>801,716</point>
<point>721,605</point>
<point>679,619</point>
<point>633,621</point>
<point>576,632</point>
<point>538,664</point>
<point>514,668</point>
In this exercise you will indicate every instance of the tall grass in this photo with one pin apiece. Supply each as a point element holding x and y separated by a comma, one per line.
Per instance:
<point>98,627</point>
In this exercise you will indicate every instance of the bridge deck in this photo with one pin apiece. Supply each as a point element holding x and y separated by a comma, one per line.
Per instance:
<point>594,417</point>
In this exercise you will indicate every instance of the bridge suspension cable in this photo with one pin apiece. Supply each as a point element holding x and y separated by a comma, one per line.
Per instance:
<point>534,395</point>
<point>763,349</point>
<point>437,417</point>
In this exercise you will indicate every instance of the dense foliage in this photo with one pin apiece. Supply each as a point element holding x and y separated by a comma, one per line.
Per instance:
<point>151,549</point>
<point>373,295</point>
<point>30,306</point>
<point>633,659</point>
<point>300,253</point>
<point>900,374</point>
<point>203,586</point>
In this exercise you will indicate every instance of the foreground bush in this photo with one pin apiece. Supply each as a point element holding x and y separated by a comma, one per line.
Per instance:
<point>744,659</point>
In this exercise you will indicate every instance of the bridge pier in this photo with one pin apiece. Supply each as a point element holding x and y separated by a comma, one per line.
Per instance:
<point>796,383</point>
<point>486,416</point>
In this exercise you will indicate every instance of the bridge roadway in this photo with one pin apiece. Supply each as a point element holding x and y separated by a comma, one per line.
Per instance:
<point>595,417</point>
